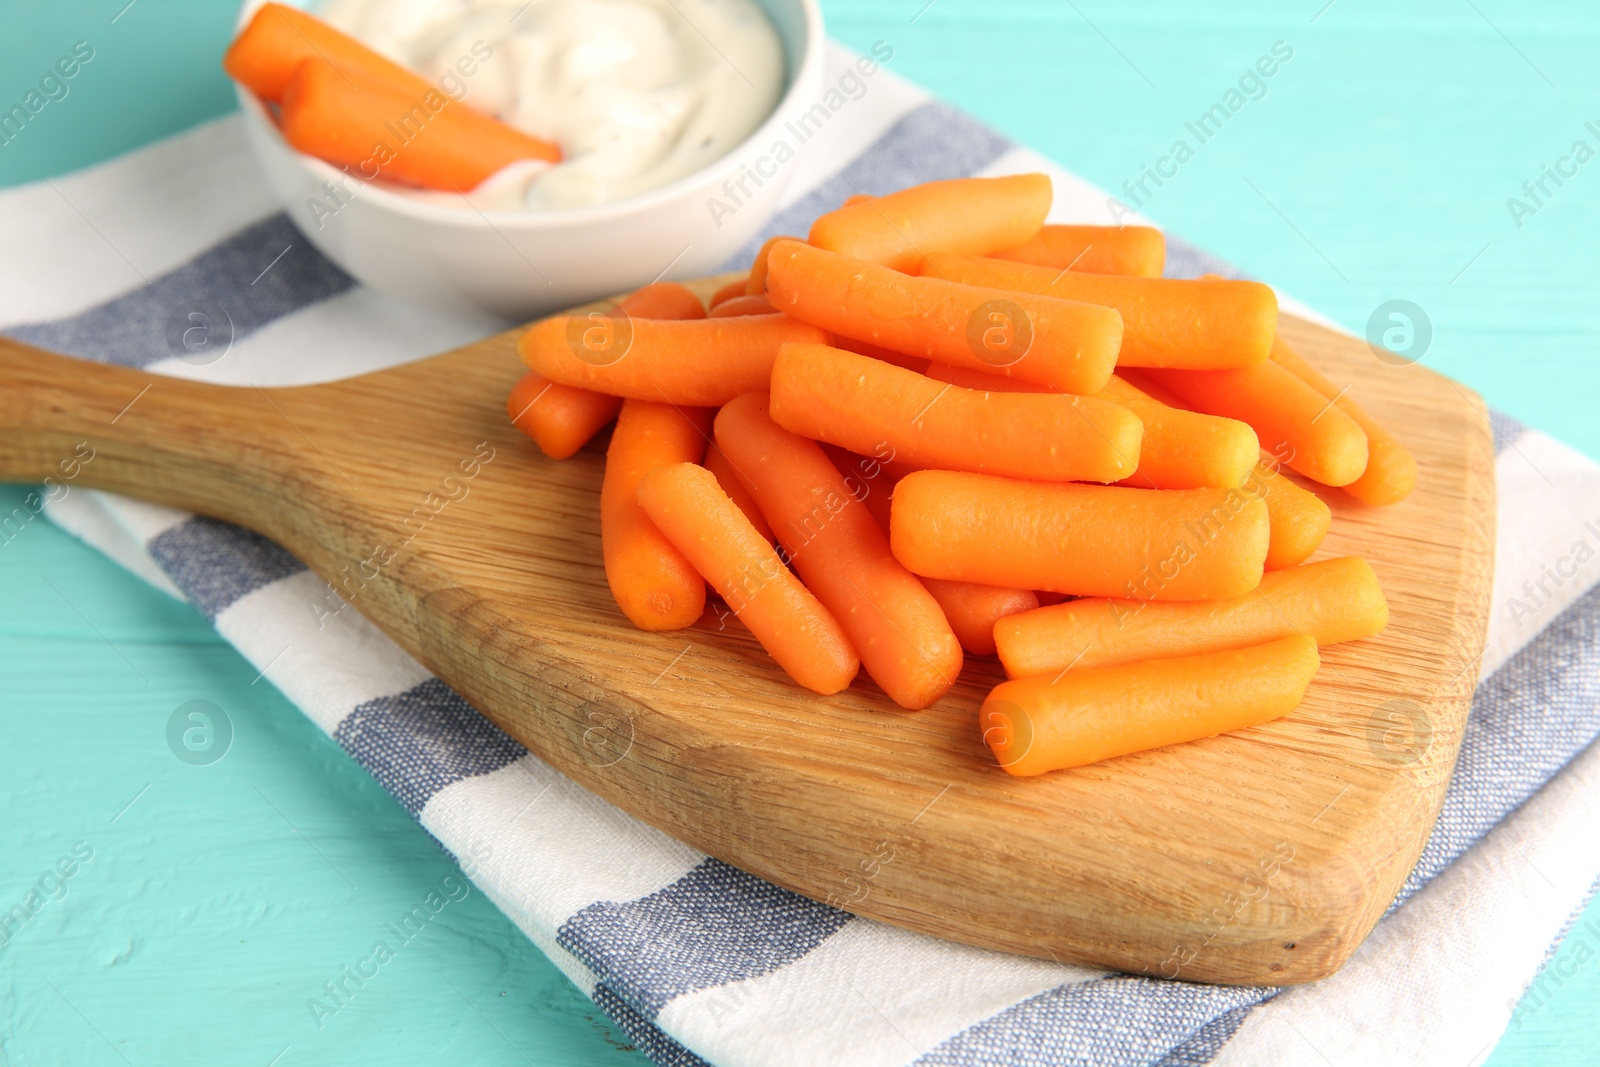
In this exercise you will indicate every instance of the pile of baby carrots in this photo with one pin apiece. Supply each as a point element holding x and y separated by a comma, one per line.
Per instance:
<point>338,100</point>
<point>939,426</point>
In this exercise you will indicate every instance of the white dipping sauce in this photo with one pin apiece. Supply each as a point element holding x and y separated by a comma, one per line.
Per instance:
<point>637,93</point>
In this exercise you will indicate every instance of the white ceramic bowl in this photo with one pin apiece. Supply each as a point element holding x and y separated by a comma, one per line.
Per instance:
<point>523,264</point>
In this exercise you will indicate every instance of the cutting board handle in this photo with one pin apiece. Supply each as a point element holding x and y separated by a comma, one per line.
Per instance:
<point>74,423</point>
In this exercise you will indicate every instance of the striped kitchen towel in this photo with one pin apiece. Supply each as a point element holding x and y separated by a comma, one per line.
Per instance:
<point>701,962</point>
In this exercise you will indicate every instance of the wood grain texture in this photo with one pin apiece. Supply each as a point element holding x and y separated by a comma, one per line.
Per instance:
<point>1262,856</point>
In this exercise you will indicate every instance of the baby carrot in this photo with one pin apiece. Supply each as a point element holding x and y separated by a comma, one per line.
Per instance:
<point>1167,322</point>
<point>756,282</point>
<point>266,52</point>
<point>976,216</point>
<point>562,418</point>
<point>687,505</point>
<point>1066,345</point>
<point>559,418</point>
<point>842,555</point>
<point>869,480</point>
<point>1136,250</point>
<point>743,305</point>
<point>1088,540</point>
<point>424,141</point>
<point>974,609</point>
<point>856,402</point>
<point>1298,517</point>
<point>738,489</point>
<point>1180,449</point>
<point>662,300</point>
<point>703,363</point>
<point>899,359</point>
<point>1291,418</point>
<point>1330,601</point>
<point>1039,724</point>
<point>654,585</point>
<point>1391,469</point>
<point>971,609</point>
<point>727,292</point>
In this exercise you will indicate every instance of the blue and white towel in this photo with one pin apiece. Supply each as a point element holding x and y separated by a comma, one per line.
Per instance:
<point>703,963</point>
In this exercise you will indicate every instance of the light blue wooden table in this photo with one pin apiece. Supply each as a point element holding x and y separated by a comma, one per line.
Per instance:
<point>218,899</point>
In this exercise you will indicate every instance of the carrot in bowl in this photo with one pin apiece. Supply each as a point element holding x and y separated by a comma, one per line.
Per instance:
<point>842,555</point>
<point>427,141</point>
<point>692,511</point>
<point>1298,517</point>
<point>654,585</point>
<point>1045,723</point>
<point>700,363</point>
<point>1167,322</point>
<point>1086,540</point>
<point>1063,344</point>
<point>1180,449</point>
<point>973,610</point>
<point>1391,471</point>
<point>858,403</point>
<point>1331,601</point>
<point>561,418</point>
<point>1291,418</point>
<point>266,52</point>
<point>1137,250</point>
<point>976,216</point>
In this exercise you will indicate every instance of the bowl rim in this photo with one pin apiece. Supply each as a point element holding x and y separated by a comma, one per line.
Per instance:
<point>809,68</point>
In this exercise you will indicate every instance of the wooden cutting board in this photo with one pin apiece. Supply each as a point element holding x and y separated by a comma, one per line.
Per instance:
<point>1263,856</point>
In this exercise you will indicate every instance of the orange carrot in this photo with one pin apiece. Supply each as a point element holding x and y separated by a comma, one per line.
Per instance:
<point>703,363</point>
<point>1180,449</point>
<point>1391,471</point>
<point>1089,540</point>
<point>738,489</point>
<point>727,292</point>
<point>1136,250</point>
<point>971,609</point>
<point>1039,724</point>
<point>856,402</point>
<point>842,555</point>
<point>869,479</point>
<point>1167,322</point>
<point>561,418</point>
<point>654,585</point>
<point>1331,601</point>
<point>976,216</point>
<point>378,131</point>
<point>1066,345</point>
<point>1291,419</point>
<point>687,505</point>
<point>662,300</point>
<point>266,52</point>
<point>899,359</point>
<point>974,609</point>
<point>756,283</point>
<point>743,305</point>
<point>1298,517</point>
